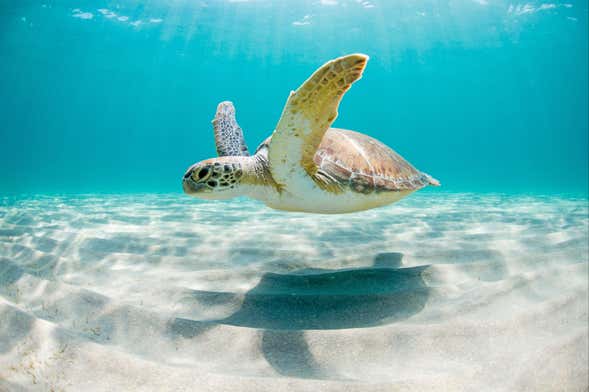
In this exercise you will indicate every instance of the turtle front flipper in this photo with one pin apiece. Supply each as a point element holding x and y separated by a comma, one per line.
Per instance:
<point>228,134</point>
<point>306,117</point>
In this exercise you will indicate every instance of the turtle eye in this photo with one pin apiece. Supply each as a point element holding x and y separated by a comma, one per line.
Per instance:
<point>203,173</point>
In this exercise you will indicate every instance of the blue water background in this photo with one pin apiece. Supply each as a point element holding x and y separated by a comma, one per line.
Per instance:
<point>484,95</point>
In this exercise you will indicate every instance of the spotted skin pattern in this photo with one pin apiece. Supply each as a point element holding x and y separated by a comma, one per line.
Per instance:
<point>228,134</point>
<point>215,175</point>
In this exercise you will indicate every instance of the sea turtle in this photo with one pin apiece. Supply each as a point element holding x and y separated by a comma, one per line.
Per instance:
<point>306,165</point>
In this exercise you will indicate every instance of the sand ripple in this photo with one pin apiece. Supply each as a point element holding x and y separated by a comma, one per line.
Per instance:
<point>159,292</point>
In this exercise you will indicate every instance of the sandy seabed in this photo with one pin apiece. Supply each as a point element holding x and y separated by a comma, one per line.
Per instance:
<point>455,292</point>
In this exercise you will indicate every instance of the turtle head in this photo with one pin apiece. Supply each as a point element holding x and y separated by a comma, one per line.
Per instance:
<point>217,178</point>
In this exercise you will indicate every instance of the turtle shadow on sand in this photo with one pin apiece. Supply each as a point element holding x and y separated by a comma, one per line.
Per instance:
<point>285,305</point>
<point>334,299</point>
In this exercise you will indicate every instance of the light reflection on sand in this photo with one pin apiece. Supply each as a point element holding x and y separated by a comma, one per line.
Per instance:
<point>447,290</point>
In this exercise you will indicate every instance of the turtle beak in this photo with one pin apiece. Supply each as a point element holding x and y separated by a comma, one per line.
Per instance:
<point>190,187</point>
<point>186,186</point>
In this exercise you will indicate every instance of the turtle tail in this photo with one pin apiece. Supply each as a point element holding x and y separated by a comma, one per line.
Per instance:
<point>431,180</point>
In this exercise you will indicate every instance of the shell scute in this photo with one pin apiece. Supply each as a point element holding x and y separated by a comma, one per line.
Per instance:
<point>337,171</point>
<point>361,183</point>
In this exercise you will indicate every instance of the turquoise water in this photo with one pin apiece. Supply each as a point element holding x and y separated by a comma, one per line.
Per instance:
<point>117,96</point>
<point>112,279</point>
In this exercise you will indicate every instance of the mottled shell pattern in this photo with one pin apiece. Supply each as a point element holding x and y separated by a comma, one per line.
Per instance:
<point>352,160</point>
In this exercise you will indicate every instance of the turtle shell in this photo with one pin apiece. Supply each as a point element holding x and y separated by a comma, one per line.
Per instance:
<point>365,165</point>
<point>348,159</point>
